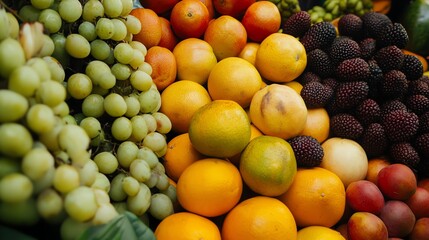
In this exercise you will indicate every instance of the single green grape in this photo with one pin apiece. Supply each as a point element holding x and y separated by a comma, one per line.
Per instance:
<point>140,80</point>
<point>79,86</point>
<point>15,187</point>
<point>145,67</point>
<point>116,191</point>
<point>106,162</point>
<point>92,10</point>
<point>148,155</point>
<point>133,24</point>
<point>115,105</point>
<point>28,13</point>
<point>57,71</point>
<point>101,196</point>
<point>93,106</point>
<point>66,178</point>
<point>48,47</point>
<point>13,106</point>
<point>155,141</point>
<point>77,46</point>
<point>11,56</point>
<point>50,139</point>
<point>73,138</point>
<point>140,128</point>
<point>101,182</point>
<point>41,67</point>
<point>13,26</point>
<point>80,204</point>
<point>123,53</point>
<point>87,30</point>
<point>88,173</point>
<point>104,28</point>
<point>139,203</point>
<point>164,124</point>
<point>96,70</point>
<point>51,20</point>
<point>121,128</point>
<point>5,28</point>
<point>133,106</point>
<point>121,71</point>
<point>104,214</point>
<point>161,206</point>
<point>120,30</point>
<point>70,10</point>
<point>51,93</point>
<point>42,4</point>
<point>140,170</point>
<point>40,118</point>
<point>152,181</point>
<point>163,182</point>
<point>138,59</point>
<point>171,193</point>
<point>112,8</point>
<point>126,153</point>
<point>49,204</point>
<point>130,186</point>
<point>149,101</point>
<point>61,110</point>
<point>91,125</point>
<point>127,7</point>
<point>150,122</point>
<point>16,140</point>
<point>100,50</point>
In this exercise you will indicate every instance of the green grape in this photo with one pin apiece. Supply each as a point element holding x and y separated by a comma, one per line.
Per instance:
<point>51,20</point>
<point>79,86</point>
<point>120,30</point>
<point>161,206</point>
<point>70,10</point>
<point>22,213</point>
<point>123,53</point>
<point>28,13</point>
<point>71,229</point>
<point>100,50</point>
<point>112,8</point>
<point>149,156</point>
<point>41,67</point>
<point>141,80</point>
<point>92,10</point>
<point>69,120</point>
<point>106,162</point>
<point>49,203</point>
<point>51,93</point>
<point>115,105</point>
<point>96,70</point>
<point>45,182</point>
<point>146,67</point>
<point>159,168</point>
<point>93,106</point>
<point>50,139</point>
<point>139,203</point>
<point>13,26</point>
<point>11,56</point>
<point>138,59</point>
<point>163,182</point>
<point>60,52</point>
<point>42,4</point>
<point>91,125</point>
<point>16,140</point>
<point>121,128</point>
<point>61,110</point>
<point>36,163</point>
<point>126,153</point>
<point>104,28</point>
<point>101,196</point>
<point>105,213</point>
<point>101,182</point>
<point>152,181</point>
<point>40,118</point>
<point>66,178</point>
<point>47,48</point>
<point>80,204</point>
<point>121,207</point>
<point>57,71</point>
<point>8,165</point>
<point>98,140</point>
<point>106,80</point>
<point>5,27</point>
<point>77,46</point>
<point>15,187</point>
<point>13,106</point>
<point>99,90</point>
<point>140,128</point>
<point>87,30</point>
<point>150,122</point>
<point>130,186</point>
<point>121,71</point>
<point>127,7</point>
<point>171,193</point>
<point>155,141</point>
<point>110,60</point>
<point>88,173</point>
<point>163,122</point>
<point>140,170</point>
<point>116,191</point>
<point>133,107</point>
<point>149,101</point>
<point>73,138</point>
<point>133,24</point>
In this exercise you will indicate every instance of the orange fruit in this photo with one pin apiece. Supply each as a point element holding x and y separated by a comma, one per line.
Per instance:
<point>234,8</point>
<point>268,165</point>
<point>157,6</point>
<point>374,166</point>
<point>249,52</point>
<point>261,19</point>
<point>220,129</point>
<point>225,82</point>
<point>227,36</point>
<point>319,233</point>
<point>295,85</point>
<point>150,33</point>
<point>180,100</point>
<point>195,59</point>
<point>259,217</point>
<point>180,154</point>
<point>317,124</point>
<point>254,132</point>
<point>317,196</point>
<point>209,187</point>
<point>189,18</point>
<point>281,58</point>
<point>164,68</point>
<point>186,225</point>
<point>168,38</point>
<point>210,8</point>
<point>278,110</point>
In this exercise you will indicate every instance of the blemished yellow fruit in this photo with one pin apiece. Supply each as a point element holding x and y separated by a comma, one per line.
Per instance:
<point>220,129</point>
<point>268,165</point>
<point>319,233</point>
<point>278,110</point>
<point>281,58</point>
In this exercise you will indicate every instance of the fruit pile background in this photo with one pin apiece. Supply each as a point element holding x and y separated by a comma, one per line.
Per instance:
<point>236,119</point>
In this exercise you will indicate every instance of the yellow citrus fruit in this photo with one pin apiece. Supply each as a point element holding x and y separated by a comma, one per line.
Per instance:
<point>225,82</point>
<point>317,196</point>
<point>209,187</point>
<point>295,85</point>
<point>278,110</point>
<point>254,132</point>
<point>220,129</point>
<point>319,233</point>
<point>185,226</point>
<point>281,58</point>
<point>180,100</point>
<point>259,217</point>
<point>268,165</point>
<point>179,155</point>
<point>195,59</point>
<point>249,52</point>
<point>317,124</point>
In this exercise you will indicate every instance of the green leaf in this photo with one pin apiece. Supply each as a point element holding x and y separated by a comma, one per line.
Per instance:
<point>125,226</point>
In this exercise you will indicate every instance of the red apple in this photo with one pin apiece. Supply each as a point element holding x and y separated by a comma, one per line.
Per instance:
<point>374,167</point>
<point>424,183</point>
<point>234,8</point>
<point>364,196</point>
<point>397,181</point>
<point>398,217</point>
<point>420,230</point>
<point>419,203</point>
<point>365,225</point>
<point>159,6</point>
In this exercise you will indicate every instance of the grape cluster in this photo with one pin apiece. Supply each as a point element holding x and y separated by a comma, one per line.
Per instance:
<point>81,132</point>
<point>287,7</point>
<point>332,9</point>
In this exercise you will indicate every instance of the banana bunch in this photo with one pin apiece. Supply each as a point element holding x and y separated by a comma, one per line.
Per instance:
<point>287,7</point>
<point>332,9</point>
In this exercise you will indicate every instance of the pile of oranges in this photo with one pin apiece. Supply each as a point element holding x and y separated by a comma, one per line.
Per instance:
<point>226,76</point>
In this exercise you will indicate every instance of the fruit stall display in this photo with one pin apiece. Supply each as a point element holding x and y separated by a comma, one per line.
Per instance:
<point>210,119</point>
